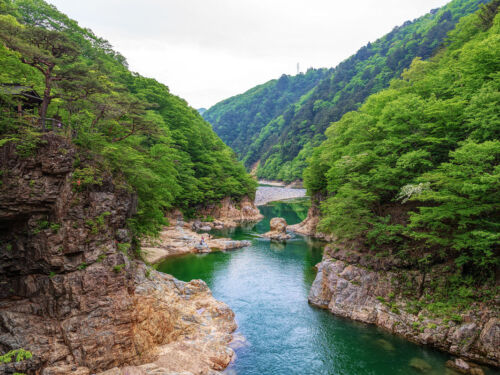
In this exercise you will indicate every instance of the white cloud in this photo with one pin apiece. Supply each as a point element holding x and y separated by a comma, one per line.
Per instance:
<point>208,50</point>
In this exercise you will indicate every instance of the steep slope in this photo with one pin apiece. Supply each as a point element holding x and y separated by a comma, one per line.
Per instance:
<point>239,119</point>
<point>160,147</point>
<point>408,190</point>
<point>72,293</point>
<point>288,140</point>
<point>87,170</point>
<point>284,143</point>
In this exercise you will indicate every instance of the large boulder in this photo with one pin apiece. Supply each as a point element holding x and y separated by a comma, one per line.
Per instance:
<point>464,367</point>
<point>278,224</point>
<point>278,230</point>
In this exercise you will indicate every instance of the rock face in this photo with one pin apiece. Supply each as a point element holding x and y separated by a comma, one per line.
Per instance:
<point>230,214</point>
<point>189,330</point>
<point>278,230</point>
<point>354,287</point>
<point>308,227</point>
<point>179,239</point>
<point>72,294</point>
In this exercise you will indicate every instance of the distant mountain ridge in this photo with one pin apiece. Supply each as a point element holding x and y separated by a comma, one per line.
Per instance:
<point>270,129</point>
<point>240,119</point>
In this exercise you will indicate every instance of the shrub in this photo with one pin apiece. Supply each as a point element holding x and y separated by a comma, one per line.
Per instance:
<point>118,268</point>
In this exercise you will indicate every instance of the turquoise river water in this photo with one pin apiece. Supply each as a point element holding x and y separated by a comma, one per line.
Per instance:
<point>267,285</point>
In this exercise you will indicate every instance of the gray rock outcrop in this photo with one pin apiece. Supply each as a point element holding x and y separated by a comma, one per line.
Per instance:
<point>371,293</point>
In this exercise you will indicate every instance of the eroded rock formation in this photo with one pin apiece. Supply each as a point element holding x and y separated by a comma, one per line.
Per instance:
<point>278,230</point>
<point>352,285</point>
<point>309,226</point>
<point>179,239</point>
<point>73,295</point>
<point>230,214</point>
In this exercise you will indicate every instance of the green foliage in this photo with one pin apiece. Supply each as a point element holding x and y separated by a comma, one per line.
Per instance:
<point>240,118</point>
<point>40,226</point>
<point>82,266</point>
<point>417,166</point>
<point>118,268</point>
<point>123,247</point>
<point>464,198</point>
<point>283,138</point>
<point>16,355</point>
<point>125,125</point>
<point>85,177</point>
<point>98,223</point>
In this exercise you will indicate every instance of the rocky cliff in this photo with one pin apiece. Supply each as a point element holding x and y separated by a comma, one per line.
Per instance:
<point>309,226</point>
<point>230,214</point>
<point>381,291</point>
<point>73,294</point>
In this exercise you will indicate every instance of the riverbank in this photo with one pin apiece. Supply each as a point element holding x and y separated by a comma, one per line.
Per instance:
<point>272,183</point>
<point>180,239</point>
<point>297,184</point>
<point>387,292</point>
<point>377,291</point>
<point>266,194</point>
<point>267,284</point>
<point>198,328</point>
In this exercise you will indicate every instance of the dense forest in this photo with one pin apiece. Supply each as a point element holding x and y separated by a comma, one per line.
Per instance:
<point>415,171</point>
<point>283,145</point>
<point>240,119</point>
<point>125,124</point>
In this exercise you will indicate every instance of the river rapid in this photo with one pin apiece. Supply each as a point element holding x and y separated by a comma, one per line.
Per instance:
<point>267,284</point>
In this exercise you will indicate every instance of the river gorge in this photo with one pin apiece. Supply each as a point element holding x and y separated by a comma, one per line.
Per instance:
<point>267,286</point>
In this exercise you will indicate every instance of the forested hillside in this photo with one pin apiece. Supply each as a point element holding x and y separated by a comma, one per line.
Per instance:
<point>125,124</point>
<point>286,141</point>
<point>240,119</point>
<point>415,172</point>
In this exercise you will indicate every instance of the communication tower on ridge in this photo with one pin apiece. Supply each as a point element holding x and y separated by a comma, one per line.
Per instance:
<point>298,68</point>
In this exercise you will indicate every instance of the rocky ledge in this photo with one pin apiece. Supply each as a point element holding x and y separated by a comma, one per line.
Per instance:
<point>179,239</point>
<point>72,292</point>
<point>197,328</point>
<point>352,286</point>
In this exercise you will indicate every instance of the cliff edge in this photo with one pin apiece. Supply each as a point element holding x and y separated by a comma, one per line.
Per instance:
<point>73,292</point>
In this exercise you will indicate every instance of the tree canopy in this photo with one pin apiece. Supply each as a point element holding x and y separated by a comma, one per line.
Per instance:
<point>240,119</point>
<point>416,168</point>
<point>128,125</point>
<point>282,137</point>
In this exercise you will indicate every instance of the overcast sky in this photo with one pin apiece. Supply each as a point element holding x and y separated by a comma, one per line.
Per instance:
<point>209,50</point>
